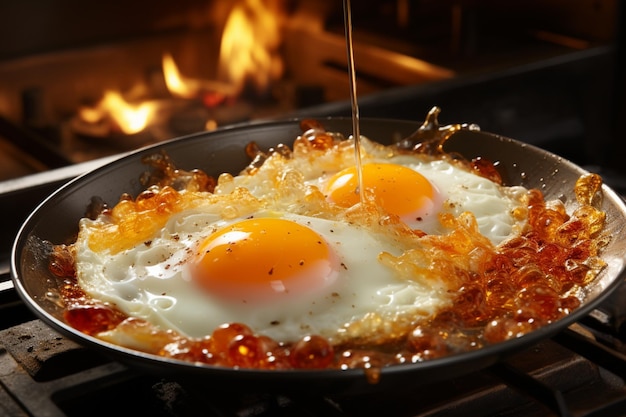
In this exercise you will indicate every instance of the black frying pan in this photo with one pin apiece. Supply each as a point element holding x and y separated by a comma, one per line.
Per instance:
<point>56,220</point>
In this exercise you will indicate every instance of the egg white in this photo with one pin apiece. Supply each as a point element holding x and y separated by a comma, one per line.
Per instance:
<point>462,191</point>
<point>152,282</point>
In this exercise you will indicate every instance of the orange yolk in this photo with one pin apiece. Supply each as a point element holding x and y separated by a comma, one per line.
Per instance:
<point>264,259</point>
<point>397,189</point>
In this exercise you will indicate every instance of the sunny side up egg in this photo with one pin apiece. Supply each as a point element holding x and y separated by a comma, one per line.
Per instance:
<point>287,249</point>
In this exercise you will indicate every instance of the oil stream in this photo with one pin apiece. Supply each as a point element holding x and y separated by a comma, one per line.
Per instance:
<point>356,131</point>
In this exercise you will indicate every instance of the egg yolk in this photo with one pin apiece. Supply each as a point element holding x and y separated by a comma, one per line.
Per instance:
<point>262,259</point>
<point>396,188</point>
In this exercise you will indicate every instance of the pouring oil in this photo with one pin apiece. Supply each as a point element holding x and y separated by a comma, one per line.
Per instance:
<point>356,130</point>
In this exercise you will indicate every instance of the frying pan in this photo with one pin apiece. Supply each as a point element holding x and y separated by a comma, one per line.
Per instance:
<point>55,220</point>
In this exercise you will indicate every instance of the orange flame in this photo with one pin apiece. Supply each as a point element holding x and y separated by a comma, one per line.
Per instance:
<point>175,82</point>
<point>131,118</point>
<point>185,87</point>
<point>248,49</point>
<point>248,52</point>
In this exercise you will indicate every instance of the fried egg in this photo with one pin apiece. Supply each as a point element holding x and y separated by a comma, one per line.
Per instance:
<point>286,260</point>
<point>418,190</point>
<point>282,274</point>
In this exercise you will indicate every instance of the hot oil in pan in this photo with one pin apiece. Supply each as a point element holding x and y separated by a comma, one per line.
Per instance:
<point>356,131</point>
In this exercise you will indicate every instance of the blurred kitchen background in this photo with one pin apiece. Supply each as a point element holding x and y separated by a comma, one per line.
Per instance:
<point>84,80</point>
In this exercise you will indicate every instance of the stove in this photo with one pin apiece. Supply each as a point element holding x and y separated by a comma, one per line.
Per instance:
<point>570,103</point>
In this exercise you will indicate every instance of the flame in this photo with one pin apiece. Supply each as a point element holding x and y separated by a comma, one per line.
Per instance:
<point>131,118</point>
<point>248,49</point>
<point>175,82</point>
<point>212,92</point>
<point>248,52</point>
